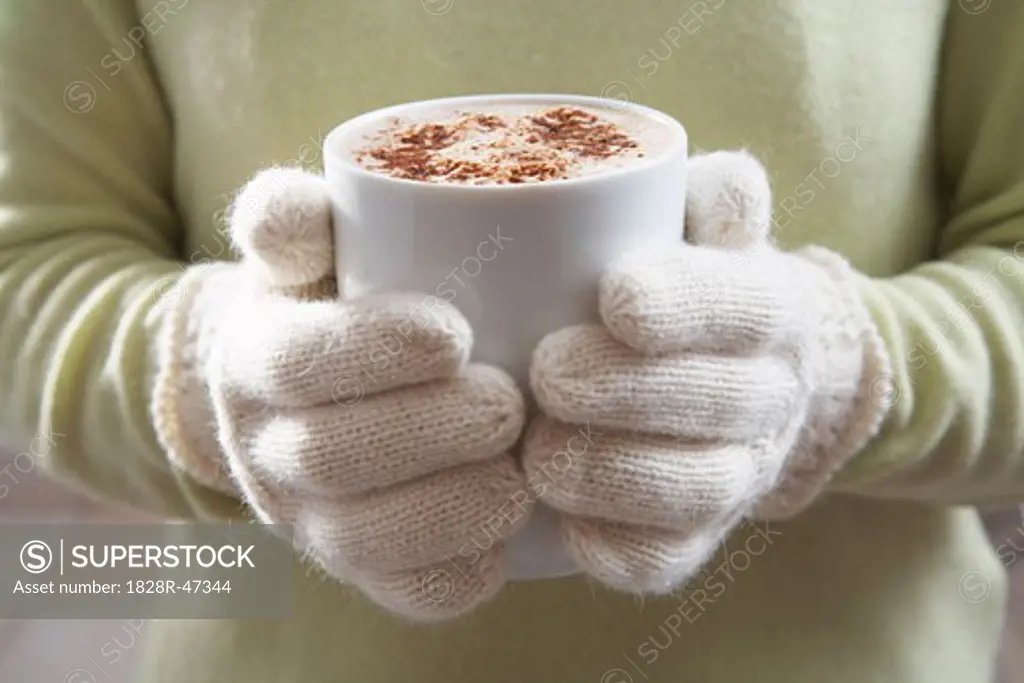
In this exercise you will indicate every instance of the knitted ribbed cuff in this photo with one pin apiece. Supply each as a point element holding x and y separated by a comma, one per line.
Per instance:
<point>842,416</point>
<point>180,405</point>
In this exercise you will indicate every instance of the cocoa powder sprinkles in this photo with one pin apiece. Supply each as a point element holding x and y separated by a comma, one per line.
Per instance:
<point>475,148</point>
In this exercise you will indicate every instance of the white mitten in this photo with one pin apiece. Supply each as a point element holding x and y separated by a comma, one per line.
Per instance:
<point>358,422</point>
<point>729,379</point>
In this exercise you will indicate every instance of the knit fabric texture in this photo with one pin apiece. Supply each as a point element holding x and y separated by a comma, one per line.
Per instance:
<point>729,379</point>
<point>385,470</point>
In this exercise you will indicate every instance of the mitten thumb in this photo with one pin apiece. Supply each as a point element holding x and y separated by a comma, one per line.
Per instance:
<point>281,224</point>
<point>728,201</point>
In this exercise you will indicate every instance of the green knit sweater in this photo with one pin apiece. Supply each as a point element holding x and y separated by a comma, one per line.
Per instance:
<point>892,132</point>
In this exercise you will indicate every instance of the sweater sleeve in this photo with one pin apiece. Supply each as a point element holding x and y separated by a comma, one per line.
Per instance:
<point>89,238</point>
<point>954,327</point>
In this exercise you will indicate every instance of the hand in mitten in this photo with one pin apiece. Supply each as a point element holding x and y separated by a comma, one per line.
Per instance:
<point>729,379</point>
<point>357,422</point>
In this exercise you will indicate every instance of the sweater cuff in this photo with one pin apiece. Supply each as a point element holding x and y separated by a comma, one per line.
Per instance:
<point>180,404</point>
<point>844,413</point>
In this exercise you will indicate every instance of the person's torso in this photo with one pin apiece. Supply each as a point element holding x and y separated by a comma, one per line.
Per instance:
<point>835,97</point>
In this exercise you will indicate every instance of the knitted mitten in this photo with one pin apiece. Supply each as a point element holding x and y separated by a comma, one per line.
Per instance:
<point>728,379</point>
<point>357,422</point>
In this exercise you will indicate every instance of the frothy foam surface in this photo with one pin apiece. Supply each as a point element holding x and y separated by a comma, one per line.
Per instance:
<point>509,144</point>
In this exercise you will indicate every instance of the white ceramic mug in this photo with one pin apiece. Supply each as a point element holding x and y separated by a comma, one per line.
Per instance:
<point>519,261</point>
